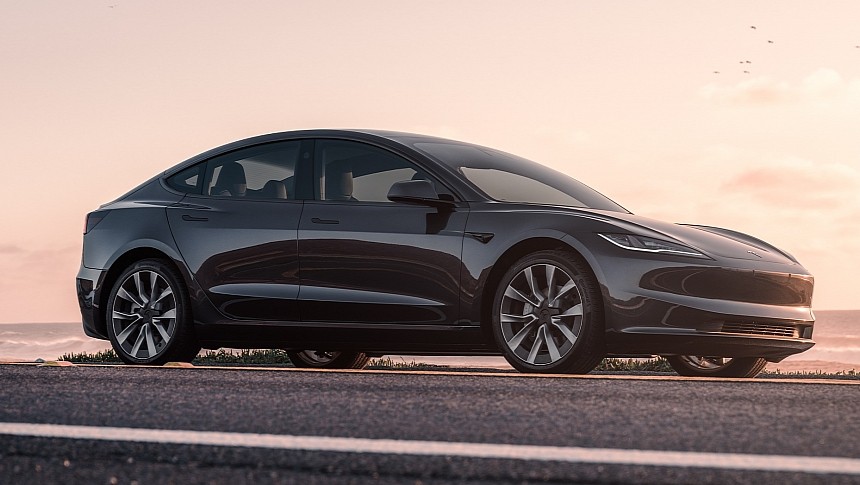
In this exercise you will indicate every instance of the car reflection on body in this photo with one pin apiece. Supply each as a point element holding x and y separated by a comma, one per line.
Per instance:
<point>337,245</point>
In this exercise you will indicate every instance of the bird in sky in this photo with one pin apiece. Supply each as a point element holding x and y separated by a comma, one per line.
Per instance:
<point>752,27</point>
<point>746,72</point>
<point>770,42</point>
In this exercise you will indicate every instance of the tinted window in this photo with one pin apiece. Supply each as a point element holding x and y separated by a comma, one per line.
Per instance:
<point>187,181</point>
<point>509,178</point>
<point>259,172</point>
<point>352,171</point>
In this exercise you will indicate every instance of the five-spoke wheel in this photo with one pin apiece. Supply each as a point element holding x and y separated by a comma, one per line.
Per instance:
<point>547,316</point>
<point>148,317</point>
<point>703,366</point>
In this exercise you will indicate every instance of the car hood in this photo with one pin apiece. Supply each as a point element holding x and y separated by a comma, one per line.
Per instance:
<point>713,241</point>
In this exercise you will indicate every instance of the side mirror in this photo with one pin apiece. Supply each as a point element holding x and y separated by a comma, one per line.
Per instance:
<point>419,192</point>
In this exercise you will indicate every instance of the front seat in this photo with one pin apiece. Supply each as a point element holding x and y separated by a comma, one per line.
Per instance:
<point>338,181</point>
<point>231,181</point>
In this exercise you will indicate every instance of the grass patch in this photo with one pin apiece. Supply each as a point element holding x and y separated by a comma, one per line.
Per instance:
<point>275,357</point>
<point>103,357</point>
<point>387,363</point>
<point>209,357</point>
<point>851,375</point>
<point>634,365</point>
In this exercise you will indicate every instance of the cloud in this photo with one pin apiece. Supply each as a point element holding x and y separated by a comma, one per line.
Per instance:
<point>820,86</point>
<point>800,183</point>
<point>759,90</point>
<point>10,249</point>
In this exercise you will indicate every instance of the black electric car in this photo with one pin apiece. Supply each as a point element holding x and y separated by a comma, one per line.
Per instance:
<point>336,245</point>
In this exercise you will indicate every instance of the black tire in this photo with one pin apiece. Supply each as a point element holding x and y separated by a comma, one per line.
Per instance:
<point>568,324</point>
<point>321,359</point>
<point>148,302</point>
<point>698,366</point>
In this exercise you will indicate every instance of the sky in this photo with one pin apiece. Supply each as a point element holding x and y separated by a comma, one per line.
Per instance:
<point>739,114</point>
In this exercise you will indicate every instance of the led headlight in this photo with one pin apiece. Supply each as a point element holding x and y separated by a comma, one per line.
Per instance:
<point>650,245</point>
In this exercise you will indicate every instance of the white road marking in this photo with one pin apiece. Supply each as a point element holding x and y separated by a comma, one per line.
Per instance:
<point>569,454</point>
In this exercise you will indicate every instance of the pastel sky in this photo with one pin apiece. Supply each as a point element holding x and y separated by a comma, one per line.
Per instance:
<point>646,101</point>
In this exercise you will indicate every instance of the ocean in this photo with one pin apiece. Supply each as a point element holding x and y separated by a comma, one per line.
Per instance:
<point>837,337</point>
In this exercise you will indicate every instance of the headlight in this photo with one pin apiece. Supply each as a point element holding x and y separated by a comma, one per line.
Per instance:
<point>650,245</point>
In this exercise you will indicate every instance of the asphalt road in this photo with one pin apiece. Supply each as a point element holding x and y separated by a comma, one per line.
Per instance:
<point>752,417</point>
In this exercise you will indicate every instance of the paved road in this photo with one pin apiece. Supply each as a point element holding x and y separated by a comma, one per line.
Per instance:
<point>813,420</point>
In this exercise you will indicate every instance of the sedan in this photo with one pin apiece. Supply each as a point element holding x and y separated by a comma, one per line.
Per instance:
<point>340,245</point>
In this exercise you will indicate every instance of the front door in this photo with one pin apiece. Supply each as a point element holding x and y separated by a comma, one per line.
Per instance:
<point>367,260</point>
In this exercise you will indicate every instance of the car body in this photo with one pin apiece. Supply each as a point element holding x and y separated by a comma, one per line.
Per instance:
<point>379,242</point>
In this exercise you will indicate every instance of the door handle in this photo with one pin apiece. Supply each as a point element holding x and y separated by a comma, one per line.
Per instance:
<point>317,220</point>
<point>186,217</point>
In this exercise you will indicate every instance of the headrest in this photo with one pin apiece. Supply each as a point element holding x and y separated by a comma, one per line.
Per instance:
<point>232,179</point>
<point>231,173</point>
<point>274,189</point>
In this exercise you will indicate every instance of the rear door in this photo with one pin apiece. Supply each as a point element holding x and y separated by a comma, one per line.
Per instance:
<point>367,260</point>
<point>238,233</point>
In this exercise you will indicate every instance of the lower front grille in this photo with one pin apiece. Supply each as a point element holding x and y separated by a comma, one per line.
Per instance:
<point>769,329</point>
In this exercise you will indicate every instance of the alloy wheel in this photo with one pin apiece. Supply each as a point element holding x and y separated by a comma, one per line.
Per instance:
<point>318,357</point>
<point>541,314</point>
<point>705,363</point>
<point>144,314</point>
<point>708,366</point>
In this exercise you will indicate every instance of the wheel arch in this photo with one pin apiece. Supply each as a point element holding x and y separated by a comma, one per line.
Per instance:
<point>120,262</point>
<point>517,251</point>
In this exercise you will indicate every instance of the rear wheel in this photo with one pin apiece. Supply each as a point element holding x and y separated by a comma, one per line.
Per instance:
<point>321,359</point>
<point>701,366</point>
<point>149,316</point>
<point>547,315</point>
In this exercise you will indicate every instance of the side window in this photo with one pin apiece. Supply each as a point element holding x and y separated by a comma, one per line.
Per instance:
<point>260,172</point>
<point>187,181</point>
<point>352,171</point>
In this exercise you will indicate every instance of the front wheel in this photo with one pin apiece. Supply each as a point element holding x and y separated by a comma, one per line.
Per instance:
<point>149,315</point>
<point>701,366</point>
<point>321,359</point>
<point>547,315</point>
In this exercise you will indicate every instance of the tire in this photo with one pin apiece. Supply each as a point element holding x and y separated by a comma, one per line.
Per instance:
<point>148,315</point>
<point>321,359</point>
<point>700,366</point>
<point>547,315</point>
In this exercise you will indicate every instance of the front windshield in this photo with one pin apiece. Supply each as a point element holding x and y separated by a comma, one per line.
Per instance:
<point>509,178</point>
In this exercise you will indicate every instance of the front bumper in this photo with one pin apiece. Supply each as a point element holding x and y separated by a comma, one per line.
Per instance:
<point>670,329</point>
<point>680,342</point>
<point>88,286</point>
<point>670,308</point>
